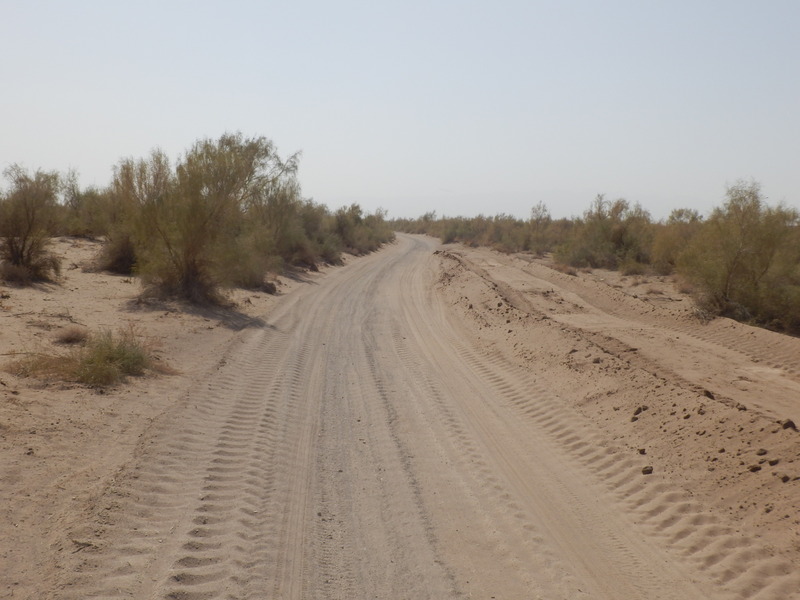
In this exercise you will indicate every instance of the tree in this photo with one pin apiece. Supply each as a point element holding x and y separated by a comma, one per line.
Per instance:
<point>745,259</point>
<point>28,217</point>
<point>192,223</point>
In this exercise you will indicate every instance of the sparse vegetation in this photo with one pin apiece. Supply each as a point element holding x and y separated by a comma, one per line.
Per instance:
<point>231,211</point>
<point>105,358</point>
<point>743,261</point>
<point>226,215</point>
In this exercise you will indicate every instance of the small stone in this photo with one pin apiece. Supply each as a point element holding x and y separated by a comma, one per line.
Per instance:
<point>774,461</point>
<point>789,424</point>
<point>754,468</point>
<point>708,394</point>
<point>634,419</point>
<point>783,477</point>
<point>642,451</point>
<point>647,470</point>
<point>761,452</point>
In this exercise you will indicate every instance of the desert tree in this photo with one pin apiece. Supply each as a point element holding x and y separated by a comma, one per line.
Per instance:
<point>540,232</point>
<point>192,224</point>
<point>746,259</point>
<point>28,217</point>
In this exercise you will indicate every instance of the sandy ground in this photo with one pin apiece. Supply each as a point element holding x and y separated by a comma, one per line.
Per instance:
<point>424,422</point>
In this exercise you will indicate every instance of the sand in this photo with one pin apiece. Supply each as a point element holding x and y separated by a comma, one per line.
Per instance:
<point>425,422</point>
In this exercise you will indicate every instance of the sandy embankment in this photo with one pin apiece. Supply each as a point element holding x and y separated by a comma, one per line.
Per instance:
<point>711,406</point>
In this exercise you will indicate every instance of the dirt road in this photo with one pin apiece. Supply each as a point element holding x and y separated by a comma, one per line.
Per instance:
<point>417,425</point>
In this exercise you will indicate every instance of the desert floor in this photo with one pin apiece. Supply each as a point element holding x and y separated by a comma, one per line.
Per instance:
<point>424,422</point>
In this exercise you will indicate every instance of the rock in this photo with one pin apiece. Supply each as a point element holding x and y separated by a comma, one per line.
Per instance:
<point>788,424</point>
<point>754,468</point>
<point>642,451</point>
<point>761,452</point>
<point>774,462</point>
<point>708,394</point>
<point>783,477</point>
<point>647,470</point>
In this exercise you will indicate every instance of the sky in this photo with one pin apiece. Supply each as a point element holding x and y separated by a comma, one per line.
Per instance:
<point>459,107</point>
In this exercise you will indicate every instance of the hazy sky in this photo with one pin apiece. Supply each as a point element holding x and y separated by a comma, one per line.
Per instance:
<point>455,106</point>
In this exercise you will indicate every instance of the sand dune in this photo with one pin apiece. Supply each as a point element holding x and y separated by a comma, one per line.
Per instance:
<point>424,422</point>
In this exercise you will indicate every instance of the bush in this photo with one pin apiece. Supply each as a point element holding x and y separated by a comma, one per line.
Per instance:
<point>609,234</point>
<point>118,254</point>
<point>105,359</point>
<point>191,222</point>
<point>109,358</point>
<point>28,217</point>
<point>745,260</point>
<point>672,238</point>
<point>73,334</point>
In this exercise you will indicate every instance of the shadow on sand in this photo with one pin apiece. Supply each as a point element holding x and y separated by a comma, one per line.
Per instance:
<point>228,316</point>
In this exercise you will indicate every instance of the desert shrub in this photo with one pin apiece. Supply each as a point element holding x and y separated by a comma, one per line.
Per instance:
<point>118,254</point>
<point>72,334</point>
<point>28,217</point>
<point>84,212</point>
<point>632,267</point>
<point>672,238</point>
<point>361,233</point>
<point>541,232</point>
<point>190,222</point>
<point>105,359</point>
<point>108,358</point>
<point>609,233</point>
<point>745,260</point>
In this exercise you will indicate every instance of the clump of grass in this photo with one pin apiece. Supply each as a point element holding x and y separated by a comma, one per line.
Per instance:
<point>71,335</point>
<point>106,358</point>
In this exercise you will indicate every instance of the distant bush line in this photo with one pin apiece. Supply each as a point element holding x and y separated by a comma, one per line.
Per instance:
<point>227,214</point>
<point>742,261</point>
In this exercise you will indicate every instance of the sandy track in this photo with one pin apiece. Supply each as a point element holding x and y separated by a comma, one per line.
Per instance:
<point>370,443</point>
